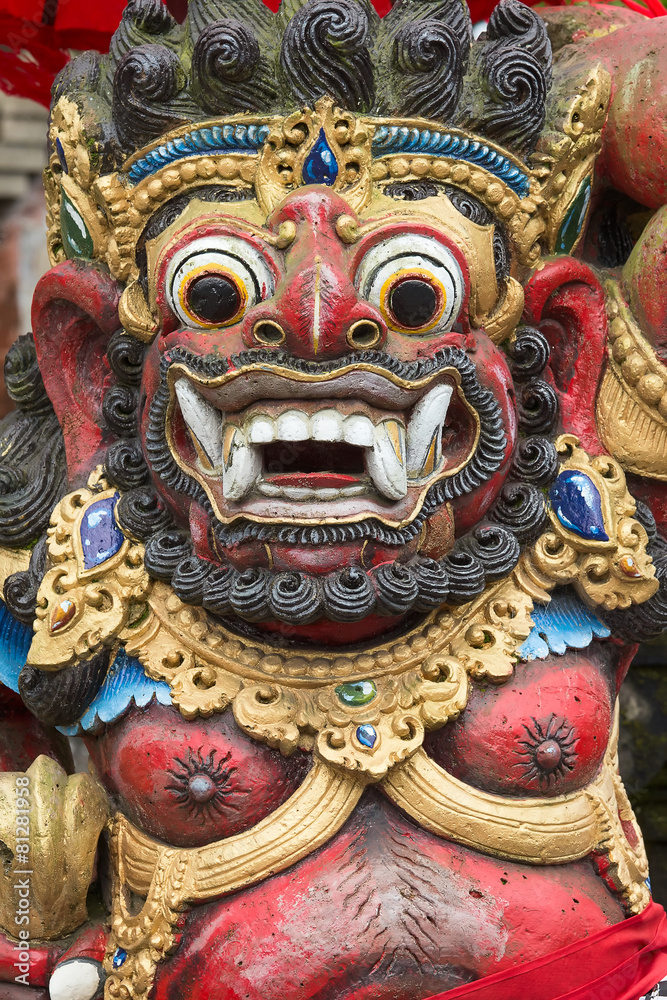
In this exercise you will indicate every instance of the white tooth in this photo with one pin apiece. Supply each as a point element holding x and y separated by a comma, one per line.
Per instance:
<point>359,430</point>
<point>327,494</point>
<point>292,426</point>
<point>425,431</point>
<point>242,464</point>
<point>203,420</point>
<point>353,491</point>
<point>297,493</point>
<point>261,430</point>
<point>385,462</point>
<point>270,489</point>
<point>327,425</point>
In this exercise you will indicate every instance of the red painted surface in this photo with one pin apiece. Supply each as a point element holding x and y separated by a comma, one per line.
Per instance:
<point>23,738</point>
<point>385,911</point>
<point>43,959</point>
<point>75,312</point>
<point>140,757</point>
<point>91,943</point>
<point>622,962</point>
<point>492,745</point>
<point>566,301</point>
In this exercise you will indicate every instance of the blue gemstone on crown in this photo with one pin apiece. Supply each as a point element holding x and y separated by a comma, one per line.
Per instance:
<point>101,538</point>
<point>61,156</point>
<point>367,736</point>
<point>320,166</point>
<point>577,505</point>
<point>119,958</point>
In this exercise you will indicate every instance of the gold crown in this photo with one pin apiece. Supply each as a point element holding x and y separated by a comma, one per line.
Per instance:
<point>99,216</point>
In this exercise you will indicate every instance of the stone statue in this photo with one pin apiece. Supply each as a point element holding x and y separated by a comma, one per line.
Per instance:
<point>331,510</point>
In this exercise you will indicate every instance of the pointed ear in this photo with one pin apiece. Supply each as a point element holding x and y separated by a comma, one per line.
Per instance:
<point>566,302</point>
<point>74,313</point>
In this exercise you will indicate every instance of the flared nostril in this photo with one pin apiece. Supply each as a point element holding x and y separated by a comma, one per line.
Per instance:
<point>269,333</point>
<point>364,334</point>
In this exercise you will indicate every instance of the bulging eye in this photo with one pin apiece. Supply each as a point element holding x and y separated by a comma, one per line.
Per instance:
<point>415,282</point>
<point>212,282</point>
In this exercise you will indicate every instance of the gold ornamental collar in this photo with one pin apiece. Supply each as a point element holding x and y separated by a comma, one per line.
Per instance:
<point>365,711</point>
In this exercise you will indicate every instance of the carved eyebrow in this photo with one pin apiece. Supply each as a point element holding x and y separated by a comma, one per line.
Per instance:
<point>172,210</point>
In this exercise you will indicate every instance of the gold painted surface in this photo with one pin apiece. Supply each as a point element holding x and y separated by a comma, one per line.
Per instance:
<point>282,158</point>
<point>568,148</point>
<point>65,819</point>
<point>595,568</point>
<point>289,700</point>
<point>286,700</point>
<point>632,400</point>
<point>170,879</point>
<point>12,561</point>
<point>105,602</point>
<point>117,211</point>
<point>535,830</point>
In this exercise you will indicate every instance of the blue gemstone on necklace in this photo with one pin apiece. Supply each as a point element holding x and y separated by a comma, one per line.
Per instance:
<point>367,736</point>
<point>320,166</point>
<point>119,958</point>
<point>577,504</point>
<point>101,538</point>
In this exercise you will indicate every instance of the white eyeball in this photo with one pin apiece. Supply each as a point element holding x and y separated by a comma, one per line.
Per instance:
<point>415,282</point>
<point>213,281</point>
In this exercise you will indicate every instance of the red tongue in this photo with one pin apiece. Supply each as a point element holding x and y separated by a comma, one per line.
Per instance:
<point>314,480</point>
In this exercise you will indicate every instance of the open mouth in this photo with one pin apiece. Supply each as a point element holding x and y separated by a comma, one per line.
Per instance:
<point>271,444</point>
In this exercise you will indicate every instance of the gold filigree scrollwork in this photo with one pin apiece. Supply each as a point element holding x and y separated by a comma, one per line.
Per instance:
<point>79,609</point>
<point>114,208</point>
<point>614,572</point>
<point>620,851</point>
<point>362,712</point>
<point>566,153</point>
<point>632,401</point>
<point>281,162</point>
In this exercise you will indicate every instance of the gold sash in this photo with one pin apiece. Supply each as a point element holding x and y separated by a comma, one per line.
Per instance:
<point>536,831</point>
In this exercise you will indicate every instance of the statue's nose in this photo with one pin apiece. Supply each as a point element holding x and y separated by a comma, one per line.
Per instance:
<point>317,312</point>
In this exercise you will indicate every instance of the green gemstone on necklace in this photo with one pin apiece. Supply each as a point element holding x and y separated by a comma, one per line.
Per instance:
<point>357,693</point>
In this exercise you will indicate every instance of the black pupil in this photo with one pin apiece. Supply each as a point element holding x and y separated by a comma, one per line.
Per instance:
<point>214,298</point>
<point>413,303</point>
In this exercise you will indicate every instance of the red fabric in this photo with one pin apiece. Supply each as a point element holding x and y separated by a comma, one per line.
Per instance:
<point>622,962</point>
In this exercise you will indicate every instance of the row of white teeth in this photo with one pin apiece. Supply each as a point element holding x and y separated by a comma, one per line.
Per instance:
<point>394,454</point>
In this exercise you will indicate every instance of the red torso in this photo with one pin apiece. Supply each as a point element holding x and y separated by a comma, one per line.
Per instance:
<point>385,909</point>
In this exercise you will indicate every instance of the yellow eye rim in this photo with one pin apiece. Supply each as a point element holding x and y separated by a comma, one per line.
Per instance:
<point>207,269</point>
<point>398,278</point>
